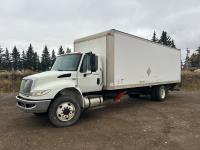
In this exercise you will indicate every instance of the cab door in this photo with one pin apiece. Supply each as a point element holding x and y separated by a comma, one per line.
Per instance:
<point>90,75</point>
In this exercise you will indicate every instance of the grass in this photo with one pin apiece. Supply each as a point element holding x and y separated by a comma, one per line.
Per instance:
<point>10,81</point>
<point>190,80</point>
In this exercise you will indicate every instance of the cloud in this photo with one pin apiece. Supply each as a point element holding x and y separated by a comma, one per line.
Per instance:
<point>54,23</point>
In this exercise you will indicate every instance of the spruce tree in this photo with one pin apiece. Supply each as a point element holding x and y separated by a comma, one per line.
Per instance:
<point>15,59</point>
<point>60,51</point>
<point>68,50</point>
<point>172,44</point>
<point>1,57</point>
<point>36,62</point>
<point>194,60</point>
<point>154,38</point>
<point>198,53</point>
<point>29,57</point>
<point>53,57</point>
<point>24,60</point>
<point>7,60</point>
<point>46,61</point>
<point>165,39</point>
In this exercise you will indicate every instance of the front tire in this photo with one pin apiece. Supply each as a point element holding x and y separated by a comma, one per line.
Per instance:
<point>64,111</point>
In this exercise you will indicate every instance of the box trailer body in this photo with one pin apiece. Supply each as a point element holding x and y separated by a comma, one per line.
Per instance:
<point>130,61</point>
<point>104,66</point>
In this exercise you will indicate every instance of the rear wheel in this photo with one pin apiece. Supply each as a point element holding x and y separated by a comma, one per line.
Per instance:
<point>159,93</point>
<point>64,111</point>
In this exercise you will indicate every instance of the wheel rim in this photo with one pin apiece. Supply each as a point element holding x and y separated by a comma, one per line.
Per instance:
<point>162,93</point>
<point>65,111</point>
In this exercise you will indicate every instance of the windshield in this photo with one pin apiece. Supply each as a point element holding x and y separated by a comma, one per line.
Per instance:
<point>68,62</point>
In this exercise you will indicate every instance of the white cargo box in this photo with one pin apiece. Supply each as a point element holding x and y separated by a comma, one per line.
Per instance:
<point>130,61</point>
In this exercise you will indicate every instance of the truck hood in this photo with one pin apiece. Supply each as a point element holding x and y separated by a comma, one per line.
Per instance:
<point>52,79</point>
<point>49,74</point>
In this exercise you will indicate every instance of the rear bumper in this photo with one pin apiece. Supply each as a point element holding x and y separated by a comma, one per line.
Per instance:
<point>37,106</point>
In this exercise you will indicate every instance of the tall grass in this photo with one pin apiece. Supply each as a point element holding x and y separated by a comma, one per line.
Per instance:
<point>190,80</point>
<point>10,81</point>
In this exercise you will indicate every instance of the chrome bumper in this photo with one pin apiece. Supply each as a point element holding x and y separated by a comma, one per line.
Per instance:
<point>32,106</point>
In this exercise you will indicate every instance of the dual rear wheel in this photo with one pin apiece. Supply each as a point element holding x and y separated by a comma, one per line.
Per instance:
<point>159,93</point>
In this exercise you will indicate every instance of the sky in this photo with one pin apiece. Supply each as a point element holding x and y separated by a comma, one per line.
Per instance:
<point>60,22</point>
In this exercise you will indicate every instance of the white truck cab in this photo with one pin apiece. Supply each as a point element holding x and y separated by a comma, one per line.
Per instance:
<point>104,66</point>
<point>75,73</point>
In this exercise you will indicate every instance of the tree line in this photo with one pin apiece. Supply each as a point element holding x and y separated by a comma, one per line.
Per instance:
<point>28,59</point>
<point>192,61</point>
<point>164,39</point>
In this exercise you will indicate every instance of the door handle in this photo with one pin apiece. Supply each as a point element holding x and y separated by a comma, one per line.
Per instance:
<point>98,81</point>
<point>86,74</point>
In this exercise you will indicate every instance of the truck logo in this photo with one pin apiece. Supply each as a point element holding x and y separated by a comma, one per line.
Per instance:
<point>149,71</point>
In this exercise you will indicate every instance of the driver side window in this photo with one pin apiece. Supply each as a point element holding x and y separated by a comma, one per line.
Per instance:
<point>85,64</point>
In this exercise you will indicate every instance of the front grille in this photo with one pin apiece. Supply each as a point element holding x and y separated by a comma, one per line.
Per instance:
<point>26,85</point>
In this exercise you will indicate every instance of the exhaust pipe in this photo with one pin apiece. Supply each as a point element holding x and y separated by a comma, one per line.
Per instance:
<point>93,101</point>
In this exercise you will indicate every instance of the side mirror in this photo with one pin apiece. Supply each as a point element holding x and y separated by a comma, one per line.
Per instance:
<point>94,62</point>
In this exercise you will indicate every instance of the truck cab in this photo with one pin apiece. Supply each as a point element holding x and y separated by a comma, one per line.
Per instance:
<point>70,77</point>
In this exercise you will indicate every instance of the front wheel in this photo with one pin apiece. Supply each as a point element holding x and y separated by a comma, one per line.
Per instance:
<point>64,111</point>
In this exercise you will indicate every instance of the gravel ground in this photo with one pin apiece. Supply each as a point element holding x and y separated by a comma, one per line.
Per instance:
<point>135,124</point>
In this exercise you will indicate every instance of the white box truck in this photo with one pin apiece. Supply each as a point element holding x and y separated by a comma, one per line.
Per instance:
<point>103,66</point>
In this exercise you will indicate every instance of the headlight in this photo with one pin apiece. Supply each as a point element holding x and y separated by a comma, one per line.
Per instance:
<point>40,92</point>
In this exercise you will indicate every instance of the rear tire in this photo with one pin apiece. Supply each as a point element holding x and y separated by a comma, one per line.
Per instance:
<point>64,111</point>
<point>159,93</point>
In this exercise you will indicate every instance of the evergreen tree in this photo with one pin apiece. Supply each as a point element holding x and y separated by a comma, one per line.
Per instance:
<point>1,57</point>
<point>154,38</point>
<point>53,57</point>
<point>172,44</point>
<point>68,50</point>
<point>198,53</point>
<point>36,62</point>
<point>7,60</point>
<point>29,58</point>
<point>24,60</point>
<point>165,39</point>
<point>60,51</point>
<point>46,61</point>
<point>15,58</point>
<point>194,60</point>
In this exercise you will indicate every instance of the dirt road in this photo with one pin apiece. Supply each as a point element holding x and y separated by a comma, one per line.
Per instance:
<point>139,124</point>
